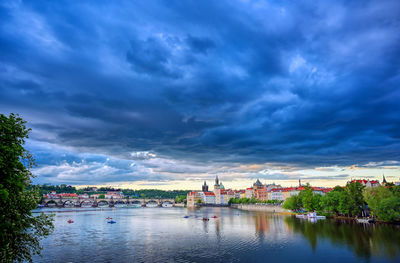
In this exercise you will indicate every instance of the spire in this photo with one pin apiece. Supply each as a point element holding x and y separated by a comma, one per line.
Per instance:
<point>258,183</point>
<point>384,179</point>
<point>299,182</point>
<point>204,188</point>
<point>216,180</point>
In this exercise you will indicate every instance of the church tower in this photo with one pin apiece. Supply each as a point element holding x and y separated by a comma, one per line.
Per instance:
<point>204,188</point>
<point>384,180</point>
<point>217,191</point>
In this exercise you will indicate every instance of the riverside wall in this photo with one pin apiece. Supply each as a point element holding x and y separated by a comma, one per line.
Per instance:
<point>261,207</point>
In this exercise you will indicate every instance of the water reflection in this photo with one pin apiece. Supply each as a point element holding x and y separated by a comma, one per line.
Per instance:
<point>364,240</point>
<point>166,235</point>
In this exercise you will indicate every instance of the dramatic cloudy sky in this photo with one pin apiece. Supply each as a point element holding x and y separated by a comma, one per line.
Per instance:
<point>164,94</point>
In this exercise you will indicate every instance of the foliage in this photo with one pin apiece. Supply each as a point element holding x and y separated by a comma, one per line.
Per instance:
<point>102,196</point>
<point>63,188</point>
<point>20,231</point>
<point>310,200</point>
<point>306,197</point>
<point>180,199</point>
<point>355,198</point>
<point>335,202</point>
<point>384,202</point>
<point>389,209</point>
<point>293,203</point>
<point>252,201</point>
<point>145,193</point>
<point>198,201</point>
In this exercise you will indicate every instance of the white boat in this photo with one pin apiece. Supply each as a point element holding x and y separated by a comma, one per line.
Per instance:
<point>167,204</point>
<point>365,220</point>
<point>301,216</point>
<point>134,205</point>
<point>119,205</point>
<point>151,204</point>
<point>314,215</point>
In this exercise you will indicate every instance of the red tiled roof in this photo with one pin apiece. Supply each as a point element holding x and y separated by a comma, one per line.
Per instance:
<point>68,194</point>
<point>209,193</point>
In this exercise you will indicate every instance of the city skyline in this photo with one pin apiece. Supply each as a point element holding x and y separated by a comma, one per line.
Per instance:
<point>165,95</point>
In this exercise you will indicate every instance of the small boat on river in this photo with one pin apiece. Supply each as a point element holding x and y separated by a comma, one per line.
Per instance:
<point>111,222</point>
<point>205,219</point>
<point>109,218</point>
<point>215,217</point>
<point>311,215</point>
<point>365,220</point>
<point>151,204</point>
<point>70,221</point>
<point>134,205</point>
<point>314,215</point>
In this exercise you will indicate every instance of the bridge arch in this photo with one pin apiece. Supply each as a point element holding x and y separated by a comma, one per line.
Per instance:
<point>135,203</point>
<point>86,203</point>
<point>166,203</point>
<point>103,203</point>
<point>68,203</point>
<point>152,203</point>
<point>51,203</point>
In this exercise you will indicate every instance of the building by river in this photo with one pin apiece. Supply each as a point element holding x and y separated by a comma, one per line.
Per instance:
<point>219,196</point>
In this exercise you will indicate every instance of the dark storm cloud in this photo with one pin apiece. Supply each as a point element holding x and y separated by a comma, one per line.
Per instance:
<point>303,83</point>
<point>200,45</point>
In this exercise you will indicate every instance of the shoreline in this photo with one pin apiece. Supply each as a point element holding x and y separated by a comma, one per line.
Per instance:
<point>263,208</point>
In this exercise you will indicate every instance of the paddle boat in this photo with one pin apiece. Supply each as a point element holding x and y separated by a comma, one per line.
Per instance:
<point>70,221</point>
<point>186,216</point>
<point>108,218</point>
<point>214,216</point>
<point>166,204</point>
<point>314,215</point>
<point>205,219</point>
<point>111,222</point>
<point>365,220</point>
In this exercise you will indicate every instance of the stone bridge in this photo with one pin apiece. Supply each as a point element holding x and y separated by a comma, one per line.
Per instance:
<point>103,202</point>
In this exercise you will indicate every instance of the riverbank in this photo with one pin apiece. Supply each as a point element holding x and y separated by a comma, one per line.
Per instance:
<point>262,207</point>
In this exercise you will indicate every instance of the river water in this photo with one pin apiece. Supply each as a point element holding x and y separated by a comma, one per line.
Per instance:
<point>164,235</point>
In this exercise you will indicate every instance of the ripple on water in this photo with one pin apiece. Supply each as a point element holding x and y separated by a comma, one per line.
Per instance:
<point>163,235</point>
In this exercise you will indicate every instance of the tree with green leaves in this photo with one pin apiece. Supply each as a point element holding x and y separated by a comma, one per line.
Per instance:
<point>20,231</point>
<point>180,199</point>
<point>355,198</point>
<point>383,202</point>
<point>310,200</point>
<point>293,203</point>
